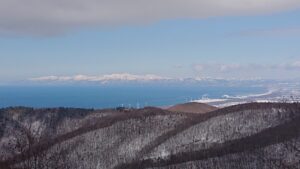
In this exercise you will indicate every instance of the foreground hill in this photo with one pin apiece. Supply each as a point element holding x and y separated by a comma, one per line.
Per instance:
<point>192,107</point>
<point>243,136</point>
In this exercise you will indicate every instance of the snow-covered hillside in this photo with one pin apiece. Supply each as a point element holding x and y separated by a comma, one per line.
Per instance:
<point>243,136</point>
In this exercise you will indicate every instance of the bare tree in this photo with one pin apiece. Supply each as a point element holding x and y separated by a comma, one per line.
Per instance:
<point>31,155</point>
<point>288,156</point>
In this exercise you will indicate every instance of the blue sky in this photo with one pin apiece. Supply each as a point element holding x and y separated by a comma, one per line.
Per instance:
<point>262,45</point>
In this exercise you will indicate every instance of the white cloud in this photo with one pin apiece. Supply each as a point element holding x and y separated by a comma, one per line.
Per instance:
<point>296,65</point>
<point>272,32</point>
<point>238,67</point>
<point>216,67</point>
<point>103,78</point>
<point>229,67</point>
<point>199,67</point>
<point>283,70</point>
<point>55,16</point>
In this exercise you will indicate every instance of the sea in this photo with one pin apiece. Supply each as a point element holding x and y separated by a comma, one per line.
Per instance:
<point>111,96</point>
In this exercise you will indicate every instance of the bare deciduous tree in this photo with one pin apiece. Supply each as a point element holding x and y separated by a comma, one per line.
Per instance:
<point>32,156</point>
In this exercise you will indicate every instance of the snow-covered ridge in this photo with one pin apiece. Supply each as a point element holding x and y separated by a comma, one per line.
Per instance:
<point>137,77</point>
<point>102,78</point>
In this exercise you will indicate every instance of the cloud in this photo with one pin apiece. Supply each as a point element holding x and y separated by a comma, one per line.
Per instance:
<point>199,67</point>
<point>296,64</point>
<point>215,67</point>
<point>288,66</point>
<point>47,17</point>
<point>103,78</point>
<point>229,67</point>
<point>236,67</point>
<point>272,32</point>
<point>288,70</point>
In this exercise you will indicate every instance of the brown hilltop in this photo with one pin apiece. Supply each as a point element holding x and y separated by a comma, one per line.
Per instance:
<point>192,107</point>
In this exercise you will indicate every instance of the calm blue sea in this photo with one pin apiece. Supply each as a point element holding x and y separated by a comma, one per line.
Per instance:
<point>112,96</point>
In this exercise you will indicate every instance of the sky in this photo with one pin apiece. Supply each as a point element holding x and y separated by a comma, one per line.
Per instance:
<point>65,39</point>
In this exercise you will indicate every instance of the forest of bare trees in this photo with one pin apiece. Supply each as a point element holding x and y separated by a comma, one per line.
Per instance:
<point>265,135</point>
<point>27,152</point>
